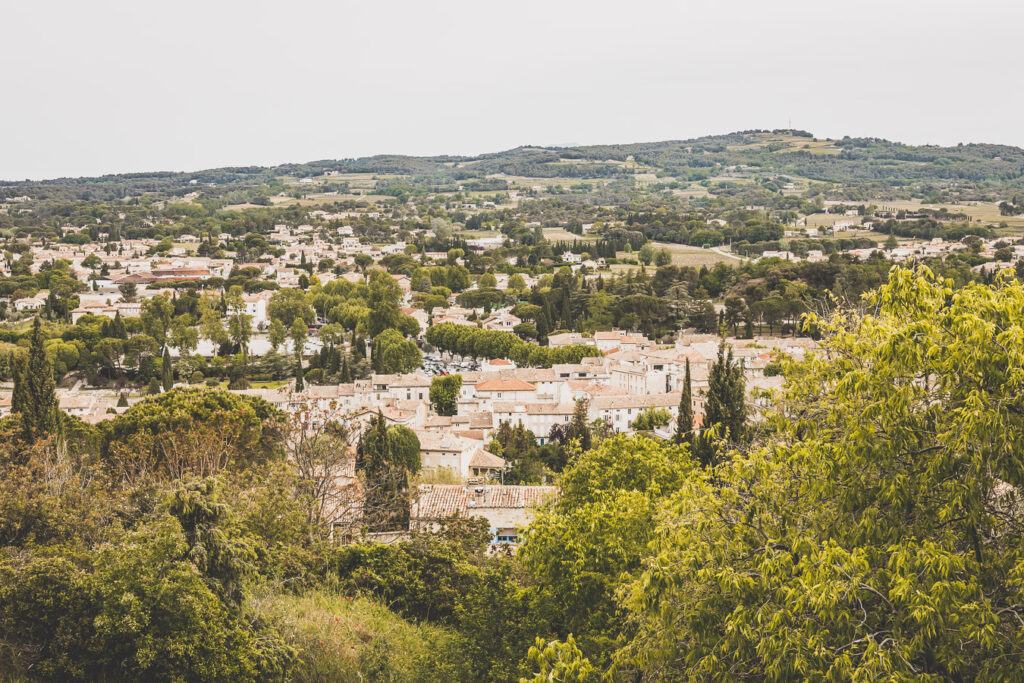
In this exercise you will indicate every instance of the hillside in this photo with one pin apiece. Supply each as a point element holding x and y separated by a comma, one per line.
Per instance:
<point>850,161</point>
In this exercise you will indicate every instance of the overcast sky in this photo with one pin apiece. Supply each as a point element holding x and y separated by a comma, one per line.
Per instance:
<point>110,86</point>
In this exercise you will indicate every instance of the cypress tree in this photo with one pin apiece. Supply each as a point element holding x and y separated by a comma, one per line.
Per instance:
<point>684,424</point>
<point>300,383</point>
<point>35,392</point>
<point>118,329</point>
<point>726,406</point>
<point>167,370</point>
<point>346,376</point>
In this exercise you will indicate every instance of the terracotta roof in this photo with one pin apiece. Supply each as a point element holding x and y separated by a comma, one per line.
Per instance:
<point>437,501</point>
<point>648,401</point>
<point>482,458</point>
<point>505,384</point>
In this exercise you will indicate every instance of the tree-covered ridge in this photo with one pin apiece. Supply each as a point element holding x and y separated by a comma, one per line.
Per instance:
<point>858,160</point>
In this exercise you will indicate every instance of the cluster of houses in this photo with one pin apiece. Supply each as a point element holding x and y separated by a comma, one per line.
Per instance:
<point>908,250</point>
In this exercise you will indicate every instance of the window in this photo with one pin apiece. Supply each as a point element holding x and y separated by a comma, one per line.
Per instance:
<point>506,538</point>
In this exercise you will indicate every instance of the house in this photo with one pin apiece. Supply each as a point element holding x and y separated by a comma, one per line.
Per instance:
<point>506,389</point>
<point>31,303</point>
<point>538,418</point>
<point>462,456</point>
<point>620,411</point>
<point>620,339</point>
<point>501,320</point>
<point>506,508</point>
<point>496,365</point>
<point>256,308</point>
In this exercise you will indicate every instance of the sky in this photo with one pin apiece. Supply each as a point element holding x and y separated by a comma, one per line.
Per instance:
<point>113,86</point>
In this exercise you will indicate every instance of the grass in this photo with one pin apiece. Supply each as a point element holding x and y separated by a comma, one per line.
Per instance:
<point>563,235</point>
<point>685,255</point>
<point>351,638</point>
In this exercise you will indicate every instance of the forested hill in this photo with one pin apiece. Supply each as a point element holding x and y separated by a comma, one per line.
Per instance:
<point>787,152</point>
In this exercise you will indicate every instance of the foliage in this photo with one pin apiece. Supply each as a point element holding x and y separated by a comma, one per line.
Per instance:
<point>725,407</point>
<point>191,430</point>
<point>478,343</point>
<point>34,396</point>
<point>651,418</point>
<point>386,457</point>
<point>392,353</point>
<point>878,537</point>
<point>444,393</point>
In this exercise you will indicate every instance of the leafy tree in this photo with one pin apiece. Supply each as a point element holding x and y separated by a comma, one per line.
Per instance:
<point>156,316</point>
<point>558,661</point>
<point>288,304</point>
<point>584,547</point>
<point>191,431</point>
<point>384,295</point>
<point>392,353</point>
<point>276,334</point>
<point>873,538</point>
<point>298,334</point>
<point>239,324</point>
<point>210,325</point>
<point>646,254</point>
<point>444,393</point>
<point>651,418</point>
<point>384,457</point>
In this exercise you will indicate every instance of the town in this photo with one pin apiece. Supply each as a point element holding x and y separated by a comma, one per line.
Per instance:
<point>485,418</point>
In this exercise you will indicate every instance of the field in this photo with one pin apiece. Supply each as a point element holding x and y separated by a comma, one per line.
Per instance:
<point>793,143</point>
<point>563,235</point>
<point>682,255</point>
<point>685,255</point>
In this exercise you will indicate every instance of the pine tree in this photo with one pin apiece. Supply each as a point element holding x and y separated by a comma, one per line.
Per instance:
<point>684,424</point>
<point>167,370</point>
<point>35,392</point>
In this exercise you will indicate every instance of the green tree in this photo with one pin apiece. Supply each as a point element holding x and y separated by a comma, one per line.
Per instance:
<point>384,457</point>
<point>725,408</point>
<point>288,304</point>
<point>651,418</point>
<point>239,324</point>
<point>684,423</point>
<point>156,316</point>
<point>646,254</point>
<point>872,539</point>
<point>384,295</point>
<point>298,334</point>
<point>276,334</point>
<point>392,353</point>
<point>167,370</point>
<point>558,661</point>
<point>444,393</point>
<point>35,394</point>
